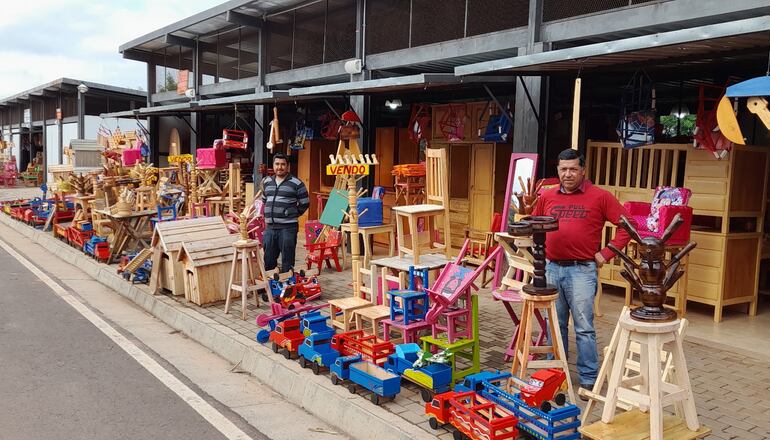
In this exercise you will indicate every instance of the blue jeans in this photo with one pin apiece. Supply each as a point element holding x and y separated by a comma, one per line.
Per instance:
<point>281,241</point>
<point>577,289</point>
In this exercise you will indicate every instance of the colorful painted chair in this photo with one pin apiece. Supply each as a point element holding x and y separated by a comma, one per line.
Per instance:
<point>325,251</point>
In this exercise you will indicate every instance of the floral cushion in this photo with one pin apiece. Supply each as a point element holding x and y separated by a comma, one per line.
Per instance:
<point>665,196</point>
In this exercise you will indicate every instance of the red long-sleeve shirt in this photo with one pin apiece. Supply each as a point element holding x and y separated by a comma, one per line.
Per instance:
<point>582,215</point>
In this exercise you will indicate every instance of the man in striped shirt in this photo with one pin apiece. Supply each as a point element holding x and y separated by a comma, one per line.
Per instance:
<point>286,199</point>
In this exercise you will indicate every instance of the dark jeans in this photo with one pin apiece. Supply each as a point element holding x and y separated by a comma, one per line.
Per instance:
<point>280,241</point>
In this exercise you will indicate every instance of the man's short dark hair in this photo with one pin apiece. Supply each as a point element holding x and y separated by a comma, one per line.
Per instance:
<point>570,154</point>
<point>280,156</point>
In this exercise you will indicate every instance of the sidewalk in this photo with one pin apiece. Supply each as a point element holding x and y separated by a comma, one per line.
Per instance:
<point>730,384</point>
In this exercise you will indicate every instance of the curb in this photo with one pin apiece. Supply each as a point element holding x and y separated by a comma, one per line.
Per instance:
<point>333,404</point>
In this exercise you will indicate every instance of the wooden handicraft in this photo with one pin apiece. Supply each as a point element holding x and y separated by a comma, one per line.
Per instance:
<point>652,277</point>
<point>247,271</point>
<point>538,295</point>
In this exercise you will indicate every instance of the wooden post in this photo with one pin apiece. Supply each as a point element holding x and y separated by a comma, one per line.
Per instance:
<point>576,114</point>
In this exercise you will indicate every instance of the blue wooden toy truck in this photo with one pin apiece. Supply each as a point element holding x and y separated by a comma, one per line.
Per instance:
<point>434,378</point>
<point>340,369</point>
<point>558,424</point>
<point>475,382</point>
<point>317,351</point>
<point>382,383</point>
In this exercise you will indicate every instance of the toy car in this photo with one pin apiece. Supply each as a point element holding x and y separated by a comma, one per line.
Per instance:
<point>432,377</point>
<point>475,382</point>
<point>375,379</point>
<point>542,387</point>
<point>288,336</point>
<point>295,290</point>
<point>473,416</point>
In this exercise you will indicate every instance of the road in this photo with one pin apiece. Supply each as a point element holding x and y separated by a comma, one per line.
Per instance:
<point>77,361</point>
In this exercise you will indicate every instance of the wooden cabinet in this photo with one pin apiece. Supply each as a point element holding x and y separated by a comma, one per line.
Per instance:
<point>728,201</point>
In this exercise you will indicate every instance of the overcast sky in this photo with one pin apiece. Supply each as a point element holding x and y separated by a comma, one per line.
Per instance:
<point>42,40</point>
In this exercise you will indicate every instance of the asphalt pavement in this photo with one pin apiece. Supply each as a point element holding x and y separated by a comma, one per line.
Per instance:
<point>62,378</point>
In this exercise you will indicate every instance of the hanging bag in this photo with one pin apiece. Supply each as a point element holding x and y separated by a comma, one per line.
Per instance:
<point>636,127</point>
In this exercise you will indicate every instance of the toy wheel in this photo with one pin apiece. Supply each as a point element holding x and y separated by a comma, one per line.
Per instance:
<point>276,277</point>
<point>264,296</point>
<point>302,361</point>
<point>316,368</point>
<point>274,347</point>
<point>352,388</point>
<point>426,395</point>
<point>335,380</point>
<point>290,307</point>
<point>546,407</point>
<point>457,435</point>
<point>560,399</point>
<point>433,422</point>
<point>302,273</point>
<point>263,336</point>
<point>375,399</point>
<point>287,354</point>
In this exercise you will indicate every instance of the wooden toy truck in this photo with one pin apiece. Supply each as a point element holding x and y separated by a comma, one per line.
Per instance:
<point>433,377</point>
<point>375,379</point>
<point>371,348</point>
<point>288,336</point>
<point>317,351</point>
<point>473,416</point>
<point>340,370</point>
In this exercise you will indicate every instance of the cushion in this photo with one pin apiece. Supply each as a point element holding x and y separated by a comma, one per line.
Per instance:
<point>665,196</point>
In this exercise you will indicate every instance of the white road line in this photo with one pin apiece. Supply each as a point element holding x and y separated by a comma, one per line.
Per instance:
<point>208,412</point>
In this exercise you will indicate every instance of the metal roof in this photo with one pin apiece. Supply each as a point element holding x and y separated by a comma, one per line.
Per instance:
<point>208,22</point>
<point>399,83</point>
<point>725,39</point>
<point>71,84</point>
<point>252,98</point>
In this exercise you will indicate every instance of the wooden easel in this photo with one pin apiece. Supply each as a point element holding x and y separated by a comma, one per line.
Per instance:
<point>648,390</point>
<point>524,347</point>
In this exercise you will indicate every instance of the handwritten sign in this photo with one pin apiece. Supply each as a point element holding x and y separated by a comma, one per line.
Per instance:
<point>360,169</point>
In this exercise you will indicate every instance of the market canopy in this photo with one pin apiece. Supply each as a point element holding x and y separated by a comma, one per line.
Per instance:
<point>399,83</point>
<point>729,39</point>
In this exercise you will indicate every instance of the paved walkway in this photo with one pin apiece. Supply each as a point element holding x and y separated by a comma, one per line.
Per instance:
<point>731,387</point>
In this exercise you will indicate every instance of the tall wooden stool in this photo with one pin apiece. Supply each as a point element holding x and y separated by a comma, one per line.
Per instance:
<point>145,198</point>
<point>524,346</point>
<point>247,252</point>
<point>653,393</point>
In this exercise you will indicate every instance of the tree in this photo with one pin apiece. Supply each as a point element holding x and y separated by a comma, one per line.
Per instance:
<point>170,83</point>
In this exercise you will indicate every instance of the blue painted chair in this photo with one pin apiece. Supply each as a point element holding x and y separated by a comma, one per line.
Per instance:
<point>410,305</point>
<point>165,214</point>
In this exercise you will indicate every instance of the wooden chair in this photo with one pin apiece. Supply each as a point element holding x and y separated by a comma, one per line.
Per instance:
<point>479,250</point>
<point>434,213</point>
<point>231,194</point>
<point>327,250</point>
<point>376,313</point>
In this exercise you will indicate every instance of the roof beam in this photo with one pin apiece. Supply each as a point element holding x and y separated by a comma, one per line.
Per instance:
<point>244,20</point>
<point>176,40</point>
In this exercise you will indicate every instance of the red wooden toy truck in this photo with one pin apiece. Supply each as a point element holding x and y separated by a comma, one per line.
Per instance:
<point>543,386</point>
<point>473,416</point>
<point>287,336</point>
<point>371,348</point>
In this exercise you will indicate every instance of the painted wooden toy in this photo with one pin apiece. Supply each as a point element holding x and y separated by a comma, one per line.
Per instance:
<point>287,336</point>
<point>374,378</point>
<point>317,351</point>
<point>473,416</point>
<point>433,377</point>
<point>370,347</point>
<point>340,370</point>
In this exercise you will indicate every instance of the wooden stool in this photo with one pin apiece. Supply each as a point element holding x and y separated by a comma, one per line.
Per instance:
<point>409,332</point>
<point>410,216</point>
<point>247,251</point>
<point>524,347</point>
<point>457,320</point>
<point>653,392</point>
<point>145,198</point>
<point>341,311</point>
<point>375,313</point>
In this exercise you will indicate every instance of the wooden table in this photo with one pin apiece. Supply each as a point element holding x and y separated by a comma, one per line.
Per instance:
<point>129,231</point>
<point>432,262</point>
<point>366,233</point>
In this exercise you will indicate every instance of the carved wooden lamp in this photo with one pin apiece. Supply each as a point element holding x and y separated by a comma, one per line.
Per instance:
<point>652,277</point>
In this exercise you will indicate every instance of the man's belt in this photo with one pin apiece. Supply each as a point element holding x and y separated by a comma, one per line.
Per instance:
<point>572,262</point>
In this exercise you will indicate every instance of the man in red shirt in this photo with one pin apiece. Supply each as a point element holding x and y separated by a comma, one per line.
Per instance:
<point>573,253</point>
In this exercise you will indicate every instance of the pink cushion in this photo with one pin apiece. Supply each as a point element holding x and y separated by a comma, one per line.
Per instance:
<point>665,196</point>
